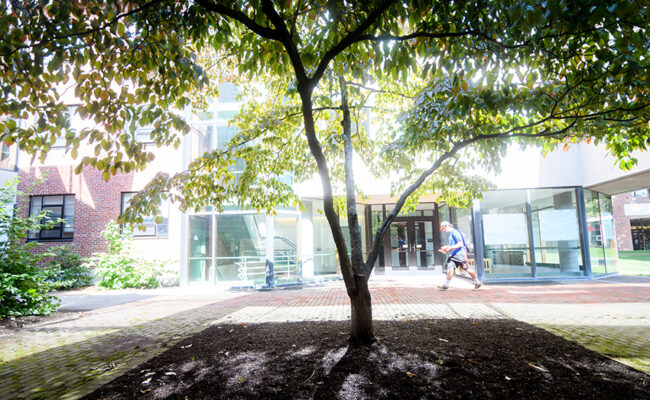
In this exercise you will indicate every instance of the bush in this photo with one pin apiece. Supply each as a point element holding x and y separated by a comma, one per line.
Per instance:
<point>67,270</point>
<point>24,285</point>
<point>118,268</point>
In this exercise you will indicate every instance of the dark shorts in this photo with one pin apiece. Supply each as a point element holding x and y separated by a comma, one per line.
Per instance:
<point>457,262</point>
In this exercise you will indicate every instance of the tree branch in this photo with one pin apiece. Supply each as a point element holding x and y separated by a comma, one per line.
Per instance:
<point>240,17</point>
<point>286,39</point>
<point>349,39</point>
<point>374,253</point>
<point>88,31</point>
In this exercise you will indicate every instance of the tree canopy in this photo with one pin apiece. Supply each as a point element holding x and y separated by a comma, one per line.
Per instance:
<point>447,87</point>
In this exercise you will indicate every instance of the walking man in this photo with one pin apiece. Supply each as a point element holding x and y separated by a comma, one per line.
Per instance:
<point>456,255</point>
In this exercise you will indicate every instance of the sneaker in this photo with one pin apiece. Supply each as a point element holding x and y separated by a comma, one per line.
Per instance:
<point>477,285</point>
<point>443,287</point>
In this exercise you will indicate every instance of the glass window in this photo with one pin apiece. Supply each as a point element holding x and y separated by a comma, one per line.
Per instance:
<point>151,227</point>
<point>226,115</point>
<point>58,215</point>
<point>444,214</point>
<point>202,139</point>
<point>609,234</point>
<point>285,248</point>
<point>505,234</point>
<point>376,219</point>
<point>640,233</point>
<point>241,247</point>
<point>325,258</point>
<point>228,92</point>
<point>6,152</point>
<point>463,222</point>
<point>143,135</point>
<point>225,134</point>
<point>8,158</point>
<point>556,233</point>
<point>594,233</point>
<point>200,247</point>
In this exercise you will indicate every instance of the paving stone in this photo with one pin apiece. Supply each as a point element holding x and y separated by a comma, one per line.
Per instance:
<point>71,357</point>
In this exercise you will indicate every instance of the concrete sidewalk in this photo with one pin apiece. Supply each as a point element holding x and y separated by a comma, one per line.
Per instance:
<point>111,332</point>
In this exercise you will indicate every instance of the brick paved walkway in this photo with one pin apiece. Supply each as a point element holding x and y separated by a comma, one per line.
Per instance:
<point>71,357</point>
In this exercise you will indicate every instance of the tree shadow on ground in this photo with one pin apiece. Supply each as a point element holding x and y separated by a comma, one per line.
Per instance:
<point>431,359</point>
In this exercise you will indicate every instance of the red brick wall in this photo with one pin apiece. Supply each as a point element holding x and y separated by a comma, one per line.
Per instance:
<point>96,201</point>
<point>622,222</point>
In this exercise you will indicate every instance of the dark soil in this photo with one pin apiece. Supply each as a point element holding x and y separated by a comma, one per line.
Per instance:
<point>13,324</point>
<point>429,359</point>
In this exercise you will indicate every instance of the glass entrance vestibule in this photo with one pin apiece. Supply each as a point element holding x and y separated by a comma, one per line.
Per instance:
<point>245,248</point>
<point>514,234</point>
<point>539,233</point>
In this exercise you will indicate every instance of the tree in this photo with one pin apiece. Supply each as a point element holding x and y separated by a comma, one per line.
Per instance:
<point>447,77</point>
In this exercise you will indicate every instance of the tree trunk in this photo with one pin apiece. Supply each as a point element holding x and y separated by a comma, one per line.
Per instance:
<point>362,333</point>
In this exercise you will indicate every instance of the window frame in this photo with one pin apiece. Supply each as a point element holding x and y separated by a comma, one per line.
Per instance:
<point>138,234</point>
<point>61,225</point>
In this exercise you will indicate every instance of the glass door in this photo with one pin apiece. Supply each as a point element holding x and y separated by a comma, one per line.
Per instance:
<point>399,245</point>
<point>421,246</point>
<point>411,244</point>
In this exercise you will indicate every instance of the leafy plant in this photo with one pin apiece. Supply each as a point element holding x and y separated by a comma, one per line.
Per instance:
<point>118,268</point>
<point>24,285</point>
<point>67,270</point>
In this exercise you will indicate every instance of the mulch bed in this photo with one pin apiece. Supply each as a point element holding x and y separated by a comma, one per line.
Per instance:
<point>423,359</point>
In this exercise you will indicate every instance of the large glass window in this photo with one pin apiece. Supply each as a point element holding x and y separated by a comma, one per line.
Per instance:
<point>285,248</point>
<point>640,233</point>
<point>200,251</point>
<point>444,214</point>
<point>56,209</point>
<point>594,233</point>
<point>241,247</point>
<point>609,235</point>
<point>376,219</point>
<point>151,228</point>
<point>463,221</point>
<point>505,234</point>
<point>325,258</point>
<point>8,157</point>
<point>556,233</point>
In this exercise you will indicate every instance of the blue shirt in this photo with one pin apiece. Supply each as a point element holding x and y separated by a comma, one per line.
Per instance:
<point>454,239</point>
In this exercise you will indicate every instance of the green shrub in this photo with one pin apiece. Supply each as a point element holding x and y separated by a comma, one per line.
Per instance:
<point>24,285</point>
<point>118,268</point>
<point>67,270</point>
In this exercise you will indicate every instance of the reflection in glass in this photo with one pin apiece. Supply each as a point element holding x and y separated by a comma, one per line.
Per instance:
<point>609,235</point>
<point>241,247</point>
<point>463,222</point>
<point>398,244</point>
<point>324,249</point>
<point>376,219</point>
<point>444,214</point>
<point>556,233</point>
<point>423,246</point>
<point>594,233</point>
<point>505,234</point>
<point>200,254</point>
<point>285,247</point>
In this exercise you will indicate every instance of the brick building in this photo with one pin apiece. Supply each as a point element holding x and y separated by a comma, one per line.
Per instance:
<point>87,203</point>
<point>549,218</point>
<point>632,218</point>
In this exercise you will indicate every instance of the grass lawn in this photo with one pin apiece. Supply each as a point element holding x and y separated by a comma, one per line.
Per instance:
<point>634,262</point>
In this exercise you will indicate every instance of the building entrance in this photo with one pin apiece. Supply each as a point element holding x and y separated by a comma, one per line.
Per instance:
<point>411,243</point>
